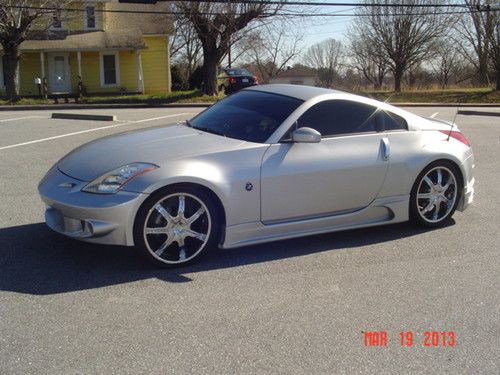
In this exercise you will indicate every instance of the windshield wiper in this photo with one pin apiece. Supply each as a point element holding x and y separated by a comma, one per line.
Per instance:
<point>209,130</point>
<point>188,124</point>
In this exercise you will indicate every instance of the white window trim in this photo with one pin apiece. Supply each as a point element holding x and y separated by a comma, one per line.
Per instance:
<point>85,25</point>
<point>62,23</point>
<point>117,68</point>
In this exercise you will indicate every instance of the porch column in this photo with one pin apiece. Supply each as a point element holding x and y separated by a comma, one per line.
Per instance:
<point>79,58</point>
<point>42,75</point>
<point>140,79</point>
<point>80,81</point>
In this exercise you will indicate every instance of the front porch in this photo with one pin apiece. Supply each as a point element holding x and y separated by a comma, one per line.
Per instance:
<point>97,62</point>
<point>79,73</point>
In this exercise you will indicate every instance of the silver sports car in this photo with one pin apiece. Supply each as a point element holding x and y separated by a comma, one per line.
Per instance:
<point>268,163</point>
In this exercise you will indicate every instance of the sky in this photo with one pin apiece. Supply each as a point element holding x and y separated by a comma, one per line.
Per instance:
<point>320,28</point>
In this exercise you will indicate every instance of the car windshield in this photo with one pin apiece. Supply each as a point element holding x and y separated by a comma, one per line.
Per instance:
<point>247,115</point>
<point>238,72</point>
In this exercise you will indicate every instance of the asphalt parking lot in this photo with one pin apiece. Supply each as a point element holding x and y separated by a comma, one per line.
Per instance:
<point>291,307</point>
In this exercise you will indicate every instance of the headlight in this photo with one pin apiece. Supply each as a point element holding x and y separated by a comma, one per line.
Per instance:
<point>113,181</point>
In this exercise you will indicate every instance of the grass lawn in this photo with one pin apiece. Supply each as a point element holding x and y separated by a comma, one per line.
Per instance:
<point>26,101</point>
<point>466,95</point>
<point>193,96</point>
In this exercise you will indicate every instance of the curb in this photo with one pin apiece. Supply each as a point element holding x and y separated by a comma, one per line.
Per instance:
<point>75,116</point>
<point>462,105</point>
<point>478,113</point>
<point>50,107</point>
<point>43,107</point>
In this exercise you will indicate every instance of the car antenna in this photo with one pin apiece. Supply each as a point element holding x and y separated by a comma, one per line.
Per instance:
<point>453,122</point>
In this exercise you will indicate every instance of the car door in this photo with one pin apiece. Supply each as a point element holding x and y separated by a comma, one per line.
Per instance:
<point>344,172</point>
<point>405,150</point>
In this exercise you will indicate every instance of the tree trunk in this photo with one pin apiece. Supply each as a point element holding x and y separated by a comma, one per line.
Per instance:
<point>483,71</point>
<point>210,76</point>
<point>11,70</point>
<point>398,77</point>
<point>498,80</point>
<point>380,79</point>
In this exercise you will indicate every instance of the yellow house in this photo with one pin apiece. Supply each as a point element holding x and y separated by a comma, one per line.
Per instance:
<point>98,47</point>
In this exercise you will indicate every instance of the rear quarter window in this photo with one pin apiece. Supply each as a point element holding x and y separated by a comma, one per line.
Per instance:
<point>392,121</point>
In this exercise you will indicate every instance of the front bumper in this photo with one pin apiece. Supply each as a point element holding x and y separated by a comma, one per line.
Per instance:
<point>98,218</point>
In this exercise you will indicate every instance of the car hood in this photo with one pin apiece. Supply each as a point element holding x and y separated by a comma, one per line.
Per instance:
<point>153,145</point>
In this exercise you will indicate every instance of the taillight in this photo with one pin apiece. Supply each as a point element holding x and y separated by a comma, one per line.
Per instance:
<point>255,80</point>
<point>457,135</point>
<point>232,80</point>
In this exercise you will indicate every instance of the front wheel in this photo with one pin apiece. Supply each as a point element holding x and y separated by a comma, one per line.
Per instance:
<point>176,227</point>
<point>435,194</point>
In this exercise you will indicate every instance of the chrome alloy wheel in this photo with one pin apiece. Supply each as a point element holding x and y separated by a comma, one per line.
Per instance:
<point>436,194</point>
<point>177,228</point>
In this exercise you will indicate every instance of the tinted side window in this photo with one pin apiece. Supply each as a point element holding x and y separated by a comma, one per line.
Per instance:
<point>393,122</point>
<point>335,117</point>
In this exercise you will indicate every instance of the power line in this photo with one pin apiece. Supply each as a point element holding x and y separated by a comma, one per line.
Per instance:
<point>333,4</point>
<point>290,14</point>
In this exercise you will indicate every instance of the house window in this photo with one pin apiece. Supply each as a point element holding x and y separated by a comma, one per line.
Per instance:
<point>110,69</point>
<point>90,19</point>
<point>57,19</point>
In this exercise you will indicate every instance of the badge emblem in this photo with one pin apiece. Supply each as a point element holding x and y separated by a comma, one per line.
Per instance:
<point>249,186</point>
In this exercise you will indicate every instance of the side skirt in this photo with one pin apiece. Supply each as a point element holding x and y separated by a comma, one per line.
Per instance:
<point>380,211</point>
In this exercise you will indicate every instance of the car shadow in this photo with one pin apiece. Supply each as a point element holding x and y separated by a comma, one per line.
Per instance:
<point>36,260</point>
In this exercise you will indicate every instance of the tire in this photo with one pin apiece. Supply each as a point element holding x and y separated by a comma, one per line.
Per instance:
<point>435,194</point>
<point>176,226</point>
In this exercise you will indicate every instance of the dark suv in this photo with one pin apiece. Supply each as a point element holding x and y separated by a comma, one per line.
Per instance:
<point>231,80</point>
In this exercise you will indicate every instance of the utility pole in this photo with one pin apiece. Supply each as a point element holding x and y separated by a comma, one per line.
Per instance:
<point>230,37</point>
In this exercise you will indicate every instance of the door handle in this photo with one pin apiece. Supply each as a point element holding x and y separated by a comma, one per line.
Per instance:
<point>386,149</point>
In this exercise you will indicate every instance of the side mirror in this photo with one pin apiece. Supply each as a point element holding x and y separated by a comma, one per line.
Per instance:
<point>306,135</point>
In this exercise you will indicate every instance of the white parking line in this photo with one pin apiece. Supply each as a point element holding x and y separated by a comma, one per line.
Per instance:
<point>434,114</point>
<point>21,118</point>
<point>90,130</point>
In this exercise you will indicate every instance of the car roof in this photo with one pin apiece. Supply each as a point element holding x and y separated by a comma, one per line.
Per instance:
<point>307,93</point>
<point>295,91</point>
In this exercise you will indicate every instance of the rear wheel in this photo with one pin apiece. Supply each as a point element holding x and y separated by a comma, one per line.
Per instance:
<point>176,227</point>
<point>435,194</point>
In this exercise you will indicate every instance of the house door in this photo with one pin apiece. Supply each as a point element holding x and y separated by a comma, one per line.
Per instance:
<point>59,77</point>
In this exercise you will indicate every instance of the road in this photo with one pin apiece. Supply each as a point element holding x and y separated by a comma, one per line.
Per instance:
<point>291,307</point>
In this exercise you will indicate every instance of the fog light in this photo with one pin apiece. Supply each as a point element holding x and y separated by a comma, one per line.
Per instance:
<point>87,228</point>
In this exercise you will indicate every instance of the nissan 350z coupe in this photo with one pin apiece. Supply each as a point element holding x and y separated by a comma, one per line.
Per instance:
<point>268,163</point>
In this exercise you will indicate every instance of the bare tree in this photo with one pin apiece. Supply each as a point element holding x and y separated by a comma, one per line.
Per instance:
<point>446,61</point>
<point>19,19</point>
<point>477,29</point>
<point>215,24</point>
<point>400,34</point>
<point>493,35</point>
<point>327,58</point>
<point>185,48</point>
<point>272,48</point>
<point>373,66</point>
